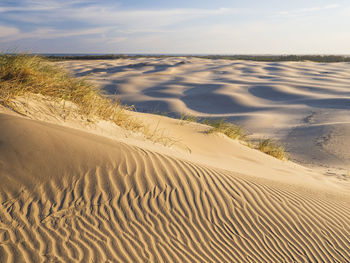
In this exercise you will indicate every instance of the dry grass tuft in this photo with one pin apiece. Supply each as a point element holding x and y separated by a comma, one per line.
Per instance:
<point>185,118</point>
<point>236,132</point>
<point>227,128</point>
<point>270,147</point>
<point>21,74</point>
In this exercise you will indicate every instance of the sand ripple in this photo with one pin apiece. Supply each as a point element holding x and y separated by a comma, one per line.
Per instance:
<point>67,196</point>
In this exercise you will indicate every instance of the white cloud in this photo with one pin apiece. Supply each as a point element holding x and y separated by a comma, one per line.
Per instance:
<point>110,15</point>
<point>31,7</point>
<point>180,30</point>
<point>309,10</point>
<point>37,6</point>
<point>50,33</point>
<point>115,40</point>
<point>162,17</point>
<point>6,31</point>
<point>124,22</point>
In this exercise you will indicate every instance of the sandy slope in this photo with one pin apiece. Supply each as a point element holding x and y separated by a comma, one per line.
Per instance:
<point>71,196</point>
<point>304,104</point>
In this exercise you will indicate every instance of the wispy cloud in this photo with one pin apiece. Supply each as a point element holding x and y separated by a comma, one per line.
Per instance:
<point>6,31</point>
<point>109,26</point>
<point>13,34</point>
<point>113,23</point>
<point>111,15</point>
<point>144,19</point>
<point>305,11</point>
<point>38,5</point>
<point>31,6</point>
<point>115,40</point>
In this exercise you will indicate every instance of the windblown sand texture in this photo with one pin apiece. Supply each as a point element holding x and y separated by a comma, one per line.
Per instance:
<point>95,193</point>
<point>304,104</point>
<point>70,196</point>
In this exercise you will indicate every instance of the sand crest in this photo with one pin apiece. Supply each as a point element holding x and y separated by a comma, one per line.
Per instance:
<point>71,196</point>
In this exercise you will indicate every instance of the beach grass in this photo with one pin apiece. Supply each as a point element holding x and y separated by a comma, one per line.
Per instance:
<point>20,74</point>
<point>231,130</point>
<point>272,148</point>
<point>27,74</point>
<point>186,118</point>
<point>236,132</point>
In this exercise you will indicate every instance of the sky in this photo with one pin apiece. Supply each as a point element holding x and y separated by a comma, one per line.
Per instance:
<point>176,27</point>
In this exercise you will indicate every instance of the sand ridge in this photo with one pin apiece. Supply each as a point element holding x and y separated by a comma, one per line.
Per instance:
<point>71,196</point>
<point>301,103</point>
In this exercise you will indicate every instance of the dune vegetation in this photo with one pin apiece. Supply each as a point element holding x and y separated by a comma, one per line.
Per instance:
<point>229,129</point>
<point>236,132</point>
<point>25,74</point>
<point>21,74</point>
<point>272,148</point>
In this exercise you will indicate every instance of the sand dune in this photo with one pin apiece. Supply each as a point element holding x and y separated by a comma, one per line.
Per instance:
<point>71,196</point>
<point>78,189</point>
<point>284,100</point>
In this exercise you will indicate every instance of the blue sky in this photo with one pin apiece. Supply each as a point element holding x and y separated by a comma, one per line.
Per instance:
<point>191,27</point>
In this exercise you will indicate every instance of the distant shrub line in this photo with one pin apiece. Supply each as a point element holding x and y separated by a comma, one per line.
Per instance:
<point>262,58</point>
<point>281,58</point>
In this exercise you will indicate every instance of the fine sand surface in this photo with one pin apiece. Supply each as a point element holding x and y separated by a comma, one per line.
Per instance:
<point>306,105</point>
<point>68,195</point>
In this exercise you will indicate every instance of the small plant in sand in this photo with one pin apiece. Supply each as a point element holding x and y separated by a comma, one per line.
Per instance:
<point>270,147</point>
<point>236,132</point>
<point>185,118</point>
<point>227,128</point>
